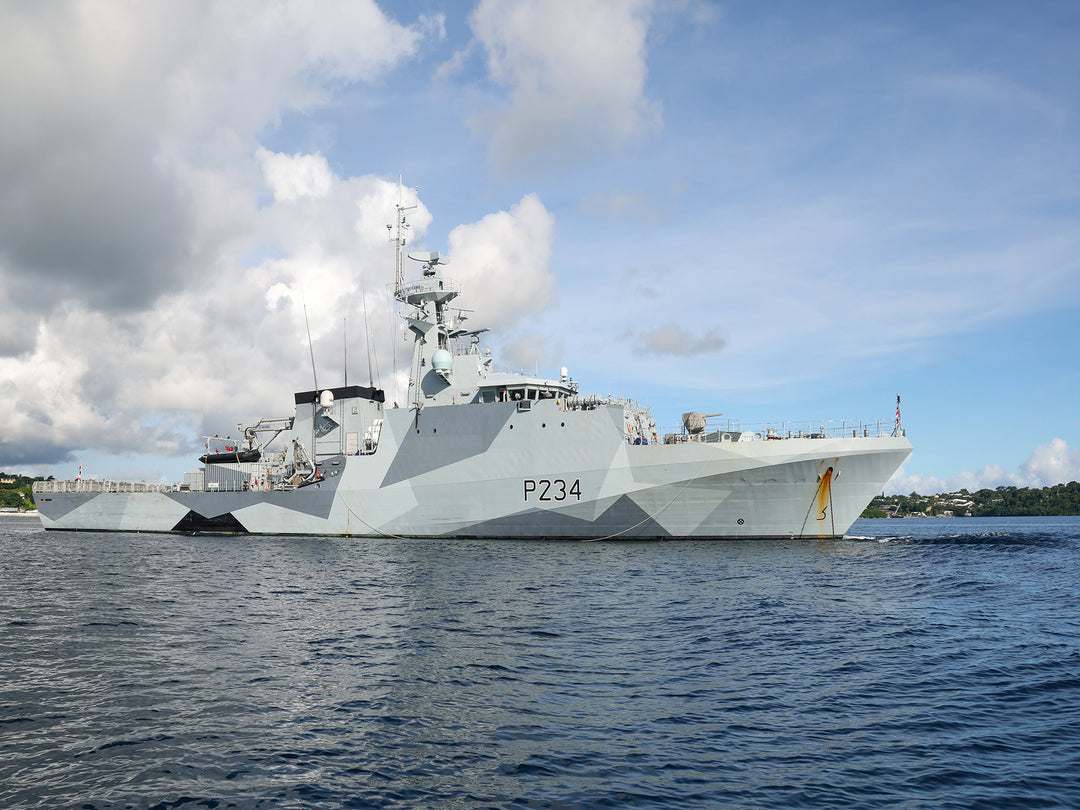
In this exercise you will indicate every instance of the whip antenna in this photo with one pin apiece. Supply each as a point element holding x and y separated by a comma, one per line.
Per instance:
<point>311,348</point>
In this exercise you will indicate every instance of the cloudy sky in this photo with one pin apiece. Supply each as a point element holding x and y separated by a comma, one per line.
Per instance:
<point>775,211</point>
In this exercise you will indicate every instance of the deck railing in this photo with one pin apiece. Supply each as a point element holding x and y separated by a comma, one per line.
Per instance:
<point>735,430</point>
<point>58,487</point>
<point>236,484</point>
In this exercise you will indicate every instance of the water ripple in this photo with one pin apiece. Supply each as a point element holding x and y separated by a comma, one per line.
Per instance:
<point>917,664</point>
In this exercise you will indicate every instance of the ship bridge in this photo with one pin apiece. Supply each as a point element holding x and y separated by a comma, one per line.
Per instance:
<point>507,387</point>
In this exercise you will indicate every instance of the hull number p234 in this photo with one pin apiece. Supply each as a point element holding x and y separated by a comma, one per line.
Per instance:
<point>543,489</point>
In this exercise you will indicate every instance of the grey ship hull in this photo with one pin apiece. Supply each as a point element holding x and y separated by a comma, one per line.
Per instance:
<point>494,470</point>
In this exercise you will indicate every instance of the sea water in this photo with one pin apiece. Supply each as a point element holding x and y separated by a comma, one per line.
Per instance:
<point>915,663</point>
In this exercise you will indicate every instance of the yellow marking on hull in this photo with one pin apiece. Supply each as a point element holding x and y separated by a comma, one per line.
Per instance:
<point>823,499</point>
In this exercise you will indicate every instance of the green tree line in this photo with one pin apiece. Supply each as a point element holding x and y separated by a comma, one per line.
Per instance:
<point>1003,501</point>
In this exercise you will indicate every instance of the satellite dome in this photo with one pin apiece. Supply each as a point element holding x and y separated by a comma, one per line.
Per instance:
<point>442,360</point>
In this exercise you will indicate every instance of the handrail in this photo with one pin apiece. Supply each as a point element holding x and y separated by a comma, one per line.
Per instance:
<point>58,487</point>
<point>735,430</point>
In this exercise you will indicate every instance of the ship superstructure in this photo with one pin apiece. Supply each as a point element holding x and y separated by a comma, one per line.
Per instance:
<point>480,452</point>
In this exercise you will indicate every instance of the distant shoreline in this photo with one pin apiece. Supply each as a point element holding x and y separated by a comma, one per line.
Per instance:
<point>1059,500</point>
<point>956,517</point>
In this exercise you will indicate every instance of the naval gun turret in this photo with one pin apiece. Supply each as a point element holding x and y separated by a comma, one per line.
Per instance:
<point>694,422</point>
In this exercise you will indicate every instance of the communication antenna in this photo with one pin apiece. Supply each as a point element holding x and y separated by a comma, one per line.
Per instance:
<point>311,348</point>
<point>367,331</point>
<point>397,236</point>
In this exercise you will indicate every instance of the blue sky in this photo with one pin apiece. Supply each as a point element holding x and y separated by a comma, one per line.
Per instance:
<point>781,211</point>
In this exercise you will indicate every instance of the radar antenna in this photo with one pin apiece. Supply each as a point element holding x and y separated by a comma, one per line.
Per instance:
<point>430,261</point>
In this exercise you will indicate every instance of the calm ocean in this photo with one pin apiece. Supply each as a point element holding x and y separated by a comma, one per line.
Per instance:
<point>916,663</point>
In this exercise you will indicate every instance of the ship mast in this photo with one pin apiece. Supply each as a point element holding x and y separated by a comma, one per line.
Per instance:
<point>428,297</point>
<point>397,236</point>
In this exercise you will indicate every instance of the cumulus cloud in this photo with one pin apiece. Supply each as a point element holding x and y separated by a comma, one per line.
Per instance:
<point>503,262</point>
<point>132,229</point>
<point>1052,463</point>
<point>1049,464</point>
<point>116,112</point>
<point>235,346</point>
<point>291,177</point>
<point>574,71</point>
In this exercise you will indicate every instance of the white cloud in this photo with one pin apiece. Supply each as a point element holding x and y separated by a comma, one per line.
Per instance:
<point>235,346</point>
<point>290,177</point>
<point>1048,464</point>
<point>126,122</point>
<point>129,187</point>
<point>231,348</point>
<point>503,262</point>
<point>1052,463</point>
<point>575,72</point>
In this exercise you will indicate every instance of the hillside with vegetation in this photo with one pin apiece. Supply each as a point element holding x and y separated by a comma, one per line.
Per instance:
<point>15,492</point>
<point>1061,499</point>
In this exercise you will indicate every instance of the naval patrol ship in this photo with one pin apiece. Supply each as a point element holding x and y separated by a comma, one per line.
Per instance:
<point>481,452</point>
